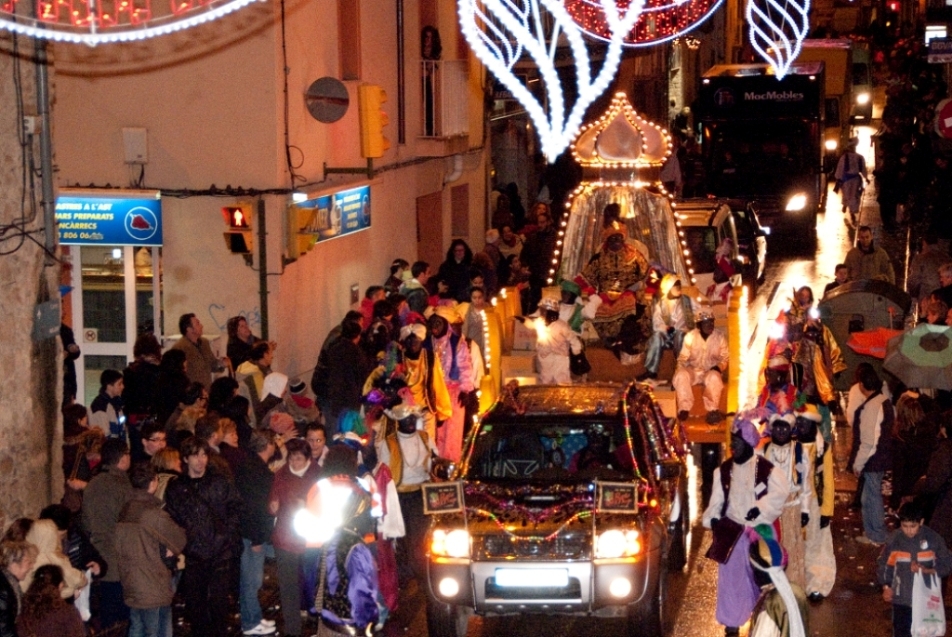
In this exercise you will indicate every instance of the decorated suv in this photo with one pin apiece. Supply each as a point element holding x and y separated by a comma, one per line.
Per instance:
<point>569,500</point>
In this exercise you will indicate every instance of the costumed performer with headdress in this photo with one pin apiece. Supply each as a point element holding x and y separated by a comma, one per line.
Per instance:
<point>747,491</point>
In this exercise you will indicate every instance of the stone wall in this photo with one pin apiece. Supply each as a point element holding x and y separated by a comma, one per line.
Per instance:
<point>31,377</point>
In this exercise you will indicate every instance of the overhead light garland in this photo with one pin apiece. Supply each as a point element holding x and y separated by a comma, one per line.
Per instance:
<point>660,20</point>
<point>500,31</point>
<point>777,30</point>
<point>95,22</point>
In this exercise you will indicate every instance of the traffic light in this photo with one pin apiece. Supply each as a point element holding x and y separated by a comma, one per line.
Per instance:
<point>301,230</point>
<point>372,120</point>
<point>239,236</point>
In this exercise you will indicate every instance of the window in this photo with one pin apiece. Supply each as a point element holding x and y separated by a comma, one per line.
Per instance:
<point>348,30</point>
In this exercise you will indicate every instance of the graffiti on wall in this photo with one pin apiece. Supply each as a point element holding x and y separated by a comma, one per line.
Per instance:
<point>221,313</point>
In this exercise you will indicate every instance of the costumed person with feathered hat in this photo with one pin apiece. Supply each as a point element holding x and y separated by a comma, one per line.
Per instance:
<point>340,515</point>
<point>747,491</point>
<point>612,274</point>
<point>782,608</point>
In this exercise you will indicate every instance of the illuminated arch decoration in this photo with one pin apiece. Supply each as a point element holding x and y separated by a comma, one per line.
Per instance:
<point>777,30</point>
<point>95,22</point>
<point>660,20</point>
<point>501,31</point>
<point>620,151</point>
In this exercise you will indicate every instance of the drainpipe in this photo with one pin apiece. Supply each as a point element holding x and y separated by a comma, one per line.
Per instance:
<point>46,149</point>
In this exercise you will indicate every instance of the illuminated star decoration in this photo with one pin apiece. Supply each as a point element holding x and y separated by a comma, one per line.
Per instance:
<point>777,29</point>
<point>660,20</point>
<point>501,31</point>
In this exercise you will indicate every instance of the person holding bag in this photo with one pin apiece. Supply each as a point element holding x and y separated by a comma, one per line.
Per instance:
<point>910,566</point>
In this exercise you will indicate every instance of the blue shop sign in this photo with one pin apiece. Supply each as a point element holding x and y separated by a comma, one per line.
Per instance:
<point>114,221</point>
<point>338,214</point>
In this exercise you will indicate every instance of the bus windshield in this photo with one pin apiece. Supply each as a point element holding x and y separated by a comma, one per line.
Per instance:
<point>747,157</point>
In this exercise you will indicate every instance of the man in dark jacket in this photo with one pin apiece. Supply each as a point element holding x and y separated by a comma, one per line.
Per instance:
<point>207,506</point>
<point>537,254</point>
<point>254,480</point>
<point>345,377</point>
<point>145,536</point>
<point>103,500</point>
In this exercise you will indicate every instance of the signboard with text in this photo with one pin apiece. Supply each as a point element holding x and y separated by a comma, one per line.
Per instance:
<point>115,221</point>
<point>338,214</point>
<point>940,51</point>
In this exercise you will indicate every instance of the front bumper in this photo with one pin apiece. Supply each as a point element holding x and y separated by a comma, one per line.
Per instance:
<point>588,589</point>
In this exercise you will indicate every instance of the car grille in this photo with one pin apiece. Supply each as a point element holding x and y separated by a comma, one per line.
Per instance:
<point>571,592</point>
<point>565,546</point>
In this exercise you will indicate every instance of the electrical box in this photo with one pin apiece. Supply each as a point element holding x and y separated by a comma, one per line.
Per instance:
<point>135,145</point>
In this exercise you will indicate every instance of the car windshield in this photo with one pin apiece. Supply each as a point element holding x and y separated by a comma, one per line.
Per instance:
<point>702,242</point>
<point>550,452</point>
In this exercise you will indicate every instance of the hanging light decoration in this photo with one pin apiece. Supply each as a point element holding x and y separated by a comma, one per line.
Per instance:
<point>777,30</point>
<point>660,20</point>
<point>95,22</point>
<point>500,31</point>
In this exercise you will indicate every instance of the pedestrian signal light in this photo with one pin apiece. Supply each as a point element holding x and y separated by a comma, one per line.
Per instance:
<point>372,120</point>
<point>239,236</point>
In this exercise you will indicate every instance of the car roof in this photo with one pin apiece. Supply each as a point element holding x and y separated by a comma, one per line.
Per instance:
<point>590,400</point>
<point>701,213</point>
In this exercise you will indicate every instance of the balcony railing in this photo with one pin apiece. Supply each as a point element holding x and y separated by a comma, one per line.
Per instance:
<point>445,85</point>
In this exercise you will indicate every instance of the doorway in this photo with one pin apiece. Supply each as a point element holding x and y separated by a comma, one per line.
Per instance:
<point>117,295</point>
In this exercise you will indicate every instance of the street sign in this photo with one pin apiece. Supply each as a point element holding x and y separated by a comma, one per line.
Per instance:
<point>943,118</point>
<point>940,51</point>
<point>115,218</point>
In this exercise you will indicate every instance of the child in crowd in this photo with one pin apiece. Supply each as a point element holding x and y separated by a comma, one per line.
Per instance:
<point>915,548</point>
<point>841,275</point>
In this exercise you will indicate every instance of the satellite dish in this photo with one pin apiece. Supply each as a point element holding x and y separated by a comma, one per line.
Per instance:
<point>327,99</point>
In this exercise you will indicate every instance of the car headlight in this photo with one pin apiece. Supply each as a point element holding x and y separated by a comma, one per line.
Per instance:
<point>797,202</point>
<point>862,99</point>
<point>616,543</point>
<point>453,543</point>
<point>831,144</point>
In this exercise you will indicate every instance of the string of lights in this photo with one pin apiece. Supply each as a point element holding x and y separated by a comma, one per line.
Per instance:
<point>660,21</point>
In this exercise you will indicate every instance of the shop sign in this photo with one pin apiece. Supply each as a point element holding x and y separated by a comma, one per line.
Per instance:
<point>940,51</point>
<point>338,214</point>
<point>93,219</point>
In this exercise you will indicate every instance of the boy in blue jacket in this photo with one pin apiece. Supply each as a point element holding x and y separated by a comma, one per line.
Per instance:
<point>914,548</point>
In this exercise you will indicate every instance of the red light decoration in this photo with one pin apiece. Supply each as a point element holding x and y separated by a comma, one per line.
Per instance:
<point>660,20</point>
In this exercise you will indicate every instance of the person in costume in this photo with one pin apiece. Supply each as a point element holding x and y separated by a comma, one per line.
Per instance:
<point>789,457</point>
<point>820,559</point>
<point>724,273</point>
<point>453,353</point>
<point>612,274</point>
<point>422,374</point>
<point>702,361</point>
<point>556,340</point>
<point>779,394</point>
<point>747,491</point>
<point>573,310</point>
<point>781,610</point>
<point>818,362</point>
<point>409,451</point>
<point>672,317</point>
